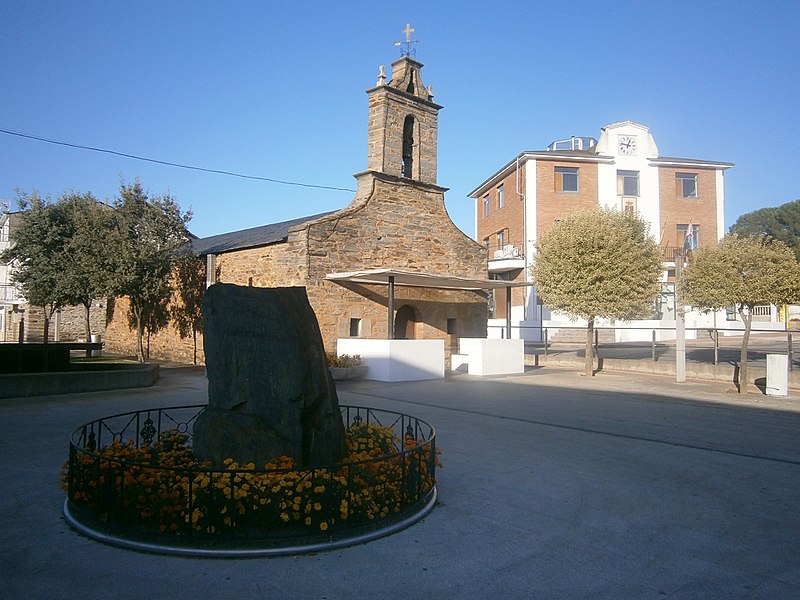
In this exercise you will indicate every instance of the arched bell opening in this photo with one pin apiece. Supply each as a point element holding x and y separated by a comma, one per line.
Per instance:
<point>408,147</point>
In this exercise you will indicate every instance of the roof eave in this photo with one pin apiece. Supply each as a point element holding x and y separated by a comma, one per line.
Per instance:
<point>553,155</point>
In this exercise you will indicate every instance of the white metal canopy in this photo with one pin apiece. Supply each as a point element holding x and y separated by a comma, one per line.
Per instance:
<point>393,277</point>
<point>427,280</point>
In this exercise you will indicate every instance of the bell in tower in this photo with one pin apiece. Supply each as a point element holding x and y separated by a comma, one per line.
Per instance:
<point>403,123</point>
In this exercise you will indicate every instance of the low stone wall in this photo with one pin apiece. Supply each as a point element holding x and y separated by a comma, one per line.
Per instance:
<point>76,381</point>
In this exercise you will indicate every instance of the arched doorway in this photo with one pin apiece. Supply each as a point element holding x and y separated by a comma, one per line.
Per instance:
<point>405,323</point>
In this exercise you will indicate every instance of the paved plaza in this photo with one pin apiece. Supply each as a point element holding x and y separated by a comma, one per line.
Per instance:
<point>553,486</point>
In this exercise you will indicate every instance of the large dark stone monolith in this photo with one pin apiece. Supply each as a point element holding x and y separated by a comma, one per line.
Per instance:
<point>270,392</point>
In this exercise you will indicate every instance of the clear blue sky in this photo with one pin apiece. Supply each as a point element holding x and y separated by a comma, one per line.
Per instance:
<point>276,90</point>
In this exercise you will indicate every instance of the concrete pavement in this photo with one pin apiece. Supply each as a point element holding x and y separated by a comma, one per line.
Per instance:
<point>553,486</point>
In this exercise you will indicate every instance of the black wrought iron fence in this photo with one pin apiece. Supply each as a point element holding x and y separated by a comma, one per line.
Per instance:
<point>133,474</point>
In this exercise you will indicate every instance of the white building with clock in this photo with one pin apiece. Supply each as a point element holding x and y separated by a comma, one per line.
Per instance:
<point>682,199</point>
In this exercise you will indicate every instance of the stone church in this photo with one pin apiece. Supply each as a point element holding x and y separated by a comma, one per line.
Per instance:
<point>389,265</point>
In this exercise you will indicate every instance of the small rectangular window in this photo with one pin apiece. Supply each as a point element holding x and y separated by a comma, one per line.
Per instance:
<point>686,185</point>
<point>355,327</point>
<point>486,205</point>
<point>501,196</point>
<point>628,183</point>
<point>451,326</point>
<point>501,239</point>
<point>566,179</point>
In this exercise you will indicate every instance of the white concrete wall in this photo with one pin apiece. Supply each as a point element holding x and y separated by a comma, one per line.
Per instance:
<point>397,360</point>
<point>720,204</point>
<point>647,203</point>
<point>530,229</point>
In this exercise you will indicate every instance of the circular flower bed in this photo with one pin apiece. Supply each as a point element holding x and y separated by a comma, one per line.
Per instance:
<point>132,479</point>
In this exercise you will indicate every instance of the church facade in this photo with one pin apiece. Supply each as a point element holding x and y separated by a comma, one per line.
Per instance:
<point>397,221</point>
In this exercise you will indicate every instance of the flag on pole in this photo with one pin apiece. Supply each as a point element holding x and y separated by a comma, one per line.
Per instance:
<point>688,241</point>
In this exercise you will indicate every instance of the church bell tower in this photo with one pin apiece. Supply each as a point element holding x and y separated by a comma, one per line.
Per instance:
<point>403,122</point>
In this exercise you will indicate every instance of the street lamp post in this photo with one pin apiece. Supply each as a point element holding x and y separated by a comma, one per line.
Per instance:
<point>680,323</point>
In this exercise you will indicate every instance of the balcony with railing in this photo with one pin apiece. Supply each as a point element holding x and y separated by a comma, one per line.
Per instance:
<point>505,258</point>
<point>9,293</point>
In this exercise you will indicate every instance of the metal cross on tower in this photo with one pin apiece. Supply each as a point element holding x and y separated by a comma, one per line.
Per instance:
<point>409,49</point>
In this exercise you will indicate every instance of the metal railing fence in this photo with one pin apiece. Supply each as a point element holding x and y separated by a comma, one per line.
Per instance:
<point>788,345</point>
<point>129,474</point>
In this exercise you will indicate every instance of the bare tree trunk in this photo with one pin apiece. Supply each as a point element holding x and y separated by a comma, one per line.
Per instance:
<point>747,319</point>
<point>194,345</point>
<point>139,336</point>
<point>588,365</point>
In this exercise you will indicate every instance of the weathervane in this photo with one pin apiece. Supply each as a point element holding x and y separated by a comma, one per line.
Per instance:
<point>409,49</point>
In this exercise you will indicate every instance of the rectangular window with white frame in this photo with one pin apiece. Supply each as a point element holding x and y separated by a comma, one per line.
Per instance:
<point>686,185</point>
<point>501,239</point>
<point>486,205</point>
<point>566,179</point>
<point>501,196</point>
<point>627,183</point>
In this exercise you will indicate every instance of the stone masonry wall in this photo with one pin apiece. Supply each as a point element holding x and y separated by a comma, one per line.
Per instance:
<point>165,345</point>
<point>68,325</point>
<point>396,224</point>
<point>400,225</point>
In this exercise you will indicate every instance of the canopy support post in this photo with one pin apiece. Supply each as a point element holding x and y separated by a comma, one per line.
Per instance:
<point>391,307</point>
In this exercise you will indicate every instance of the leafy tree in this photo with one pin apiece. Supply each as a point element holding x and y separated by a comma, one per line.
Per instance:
<point>741,272</point>
<point>778,223</point>
<point>598,263</point>
<point>149,234</point>
<point>186,310</point>
<point>90,273</point>
<point>61,252</point>
<point>38,254</point>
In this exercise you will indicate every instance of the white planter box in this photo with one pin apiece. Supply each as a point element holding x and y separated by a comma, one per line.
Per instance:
<point>397,360</point>
<point>493,357</point>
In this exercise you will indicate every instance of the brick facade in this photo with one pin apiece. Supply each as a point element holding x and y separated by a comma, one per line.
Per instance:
<point>675,210</point>
<point>506,221</point>
<point>604,168</point>
<point>552,205</point>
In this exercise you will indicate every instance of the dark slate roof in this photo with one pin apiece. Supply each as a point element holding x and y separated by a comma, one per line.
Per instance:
<point>249,238</point>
